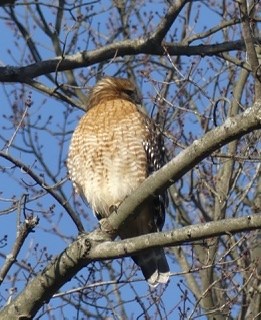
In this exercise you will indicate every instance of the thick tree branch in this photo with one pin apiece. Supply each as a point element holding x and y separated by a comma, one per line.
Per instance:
<point>112,51</point>
<point>92,247</point>
<point>233,128</point>
<point>123,248</point>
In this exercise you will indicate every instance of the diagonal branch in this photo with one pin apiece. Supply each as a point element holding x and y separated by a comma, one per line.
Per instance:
<point>24,230</point>
<point>162,29</point>
<point>53,92</point>
<point>232,129</point>
<point>59,198</point>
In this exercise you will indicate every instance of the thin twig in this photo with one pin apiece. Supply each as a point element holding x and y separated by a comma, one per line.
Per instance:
<point>17,128</point>
<point>29,224</point>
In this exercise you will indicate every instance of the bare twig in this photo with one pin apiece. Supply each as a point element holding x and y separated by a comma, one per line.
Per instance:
<point>17,128</point>
<point>63,202</point>
<point>29,224</point>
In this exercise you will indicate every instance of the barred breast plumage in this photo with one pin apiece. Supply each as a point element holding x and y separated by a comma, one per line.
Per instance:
<point>113,149</point>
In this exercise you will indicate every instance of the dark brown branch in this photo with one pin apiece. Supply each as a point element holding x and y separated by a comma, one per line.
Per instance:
<point>166,22</point>
<point>7,3</point>
<point>56,93</point>
<point>223,25</point>
<point>30,43</point>
<point>118,49</point>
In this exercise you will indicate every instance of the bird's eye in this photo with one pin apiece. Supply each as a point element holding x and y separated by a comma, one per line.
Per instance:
<point>133,95</point>
<point>130,93</point>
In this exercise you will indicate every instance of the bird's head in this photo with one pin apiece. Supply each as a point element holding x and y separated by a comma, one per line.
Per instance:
<point>110,88</point>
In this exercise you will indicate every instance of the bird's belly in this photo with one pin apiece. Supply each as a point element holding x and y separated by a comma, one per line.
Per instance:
<point>113,180</point>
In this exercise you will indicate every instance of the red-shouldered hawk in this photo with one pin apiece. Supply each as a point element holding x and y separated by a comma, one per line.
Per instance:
<point>113,150</point>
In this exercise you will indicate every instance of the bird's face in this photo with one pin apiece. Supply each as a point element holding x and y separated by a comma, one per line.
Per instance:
<point>132,95</point>
<point>110,88</point>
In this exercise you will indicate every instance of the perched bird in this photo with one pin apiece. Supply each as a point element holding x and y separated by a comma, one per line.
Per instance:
<point>113,150</point>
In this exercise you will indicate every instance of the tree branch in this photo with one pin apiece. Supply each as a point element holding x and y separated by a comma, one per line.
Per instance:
<point>162,29</point>
<point>55,93</point>
<point>112,51</point>
<point>92,247</point>
<point>233,128</point>
<point>250,48</point>
<point>23,232</point>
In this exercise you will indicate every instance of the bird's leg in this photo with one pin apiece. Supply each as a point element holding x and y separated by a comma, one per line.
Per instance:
<point>107,228</point>
<point>113,208</point>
